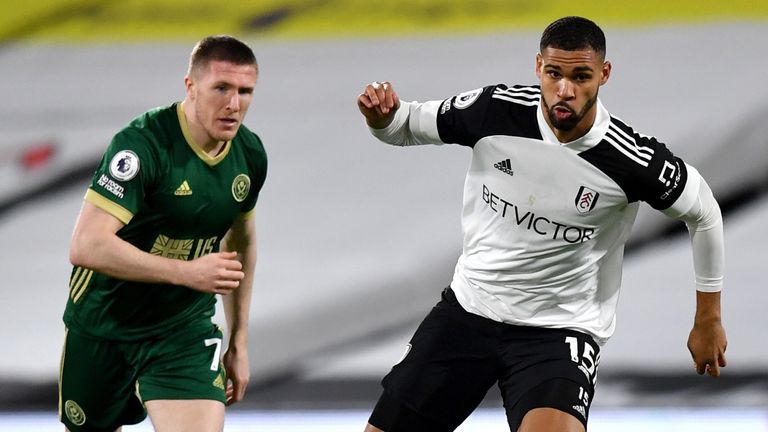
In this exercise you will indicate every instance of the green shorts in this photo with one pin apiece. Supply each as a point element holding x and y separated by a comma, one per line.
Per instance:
<point>103,383</point>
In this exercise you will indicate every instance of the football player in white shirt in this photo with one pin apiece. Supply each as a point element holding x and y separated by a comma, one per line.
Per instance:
<point>549,201</point>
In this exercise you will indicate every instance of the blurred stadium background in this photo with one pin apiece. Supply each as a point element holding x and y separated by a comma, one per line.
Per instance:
<point>357,239</point>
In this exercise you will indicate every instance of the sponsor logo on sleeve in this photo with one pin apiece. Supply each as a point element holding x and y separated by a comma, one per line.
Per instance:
<point>464,100</point>
<point>111,186</point>
<point>670,176</point>
<point>667,173</point>
<point>124,165</point>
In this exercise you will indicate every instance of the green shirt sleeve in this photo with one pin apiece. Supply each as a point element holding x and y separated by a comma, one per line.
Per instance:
<point>257,164</point>
<point>126,172</point>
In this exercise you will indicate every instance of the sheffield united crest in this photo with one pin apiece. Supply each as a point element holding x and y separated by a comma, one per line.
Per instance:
<point>240,187</point>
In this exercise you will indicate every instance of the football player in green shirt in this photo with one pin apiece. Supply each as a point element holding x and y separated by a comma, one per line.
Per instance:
<point>167,224</point>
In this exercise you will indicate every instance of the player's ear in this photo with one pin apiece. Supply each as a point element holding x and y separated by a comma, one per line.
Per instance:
<point>605,72</point>
<point>539,65</point>
<point>189,85</point>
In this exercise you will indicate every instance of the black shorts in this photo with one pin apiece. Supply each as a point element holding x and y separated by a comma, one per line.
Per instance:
<point>456,356</point>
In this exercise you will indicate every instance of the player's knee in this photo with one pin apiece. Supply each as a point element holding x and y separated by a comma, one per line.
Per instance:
<point>370,428</point>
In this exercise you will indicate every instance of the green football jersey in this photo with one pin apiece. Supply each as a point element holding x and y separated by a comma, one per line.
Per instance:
<point>177,202</point>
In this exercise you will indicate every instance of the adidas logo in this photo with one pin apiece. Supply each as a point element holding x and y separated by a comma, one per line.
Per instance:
<point>581,410</point>
<point>504,166</point>
<point>219,382</point>
<point>183,190</point>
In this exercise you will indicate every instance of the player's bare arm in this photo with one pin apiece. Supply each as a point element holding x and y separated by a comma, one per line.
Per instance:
<point>96,246</point>
<point>240,239</point>
<point>378,103</point>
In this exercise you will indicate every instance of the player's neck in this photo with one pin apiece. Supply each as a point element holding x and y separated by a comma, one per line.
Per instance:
<point>571,135</point>
<point>212,149</point>
<point>200,137</point>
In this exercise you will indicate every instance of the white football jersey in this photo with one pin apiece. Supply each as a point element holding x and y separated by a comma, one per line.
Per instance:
<point>544,223</point>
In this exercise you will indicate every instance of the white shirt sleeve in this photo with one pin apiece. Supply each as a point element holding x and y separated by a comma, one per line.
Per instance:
<point>698,208</point>
<point>414,124</point>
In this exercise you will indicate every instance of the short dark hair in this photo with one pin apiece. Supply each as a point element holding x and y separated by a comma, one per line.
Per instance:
<point>220,48</point>
<point>573,33</point>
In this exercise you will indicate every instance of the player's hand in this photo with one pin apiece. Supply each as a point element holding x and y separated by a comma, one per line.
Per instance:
<point>707,344</point>
<point>238,374</point>
<point>378,102</point>
<point>216,273</point>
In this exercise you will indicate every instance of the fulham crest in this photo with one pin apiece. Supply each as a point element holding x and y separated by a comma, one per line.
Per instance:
<point>586,199</point>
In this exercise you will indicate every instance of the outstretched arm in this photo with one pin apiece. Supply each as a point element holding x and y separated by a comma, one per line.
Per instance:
<point>378,103</point>
<point>95,245</point>
<point>396,122</point>
<point>240,239</point>
<point>707,341</point>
